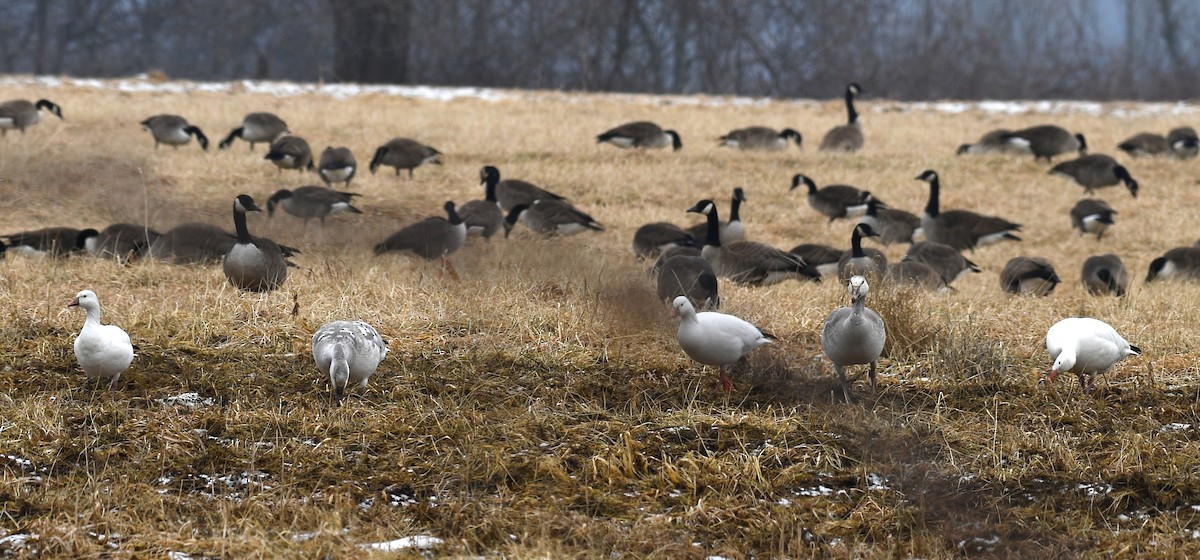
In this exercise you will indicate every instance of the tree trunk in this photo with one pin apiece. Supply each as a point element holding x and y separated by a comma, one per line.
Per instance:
<point>371,40</point>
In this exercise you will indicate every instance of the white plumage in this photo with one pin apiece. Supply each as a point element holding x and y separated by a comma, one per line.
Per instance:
<point>347,352</point>
<point>102,350</point>
<point>1085,346</point>
<point>715,339</point>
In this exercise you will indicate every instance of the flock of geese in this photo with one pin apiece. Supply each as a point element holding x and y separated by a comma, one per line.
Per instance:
<point>689,263</point>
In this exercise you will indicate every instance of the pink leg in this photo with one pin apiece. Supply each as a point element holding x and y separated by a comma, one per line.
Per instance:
<point>726,384</point>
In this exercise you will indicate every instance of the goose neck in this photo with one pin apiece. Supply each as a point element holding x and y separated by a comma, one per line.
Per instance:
<point>239,224</point>
<point>856,249</point>
<point>734,210</point>
<point>489,189</point>
<point>713,234</point>
<point>931,207</point>
<point>851,114</point>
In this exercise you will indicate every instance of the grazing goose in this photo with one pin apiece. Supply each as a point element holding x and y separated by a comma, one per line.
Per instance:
<point>192,242</point>
<point>1104,275</point>
<point>689,276</point>
<point>748,262</point>
<point>347,352</point>
<point>483,217</point>
<point>833,201</point>
<point>893,225</point>
<point>760,138</point>
<point>1047,141</point>
<point>947,261</point>
<point>312,202</point>
<point>20,114</point>
<point>120,241</point>
<point>337,165</point>
<point>961,229</point>
<point>715,339</point>
<point>641,134</point>
<point>511,192</point>
<point>672,251</point>
<point>1184,142</point>
<point>174,131</point>
<point>854,335</point>
<point>847,137</point>
<point>404,153</point>
<point>823,258</point>
<point>290,152</point>
<point>256,128</point>
<point>1096,171</point>
<point>918,275</point>
<point>1092,215</point>
<point>51,241</point>
<point>862,262</point>
<point>994,142</point>
<point>651,239</point>
<point>1085,347</point>
<point>734,229</point>
<point>102,350</point>
<point>1180,263</point>
<point>1145,144</point>
<point>551,217</point>
<point>1028,275</point>
<point>254,264</point>
<point>432,238</point>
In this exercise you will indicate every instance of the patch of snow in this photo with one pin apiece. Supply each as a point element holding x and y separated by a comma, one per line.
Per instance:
<point>421,542</point>
<point>715,557</point>
<point>1175,427</point>
<point>17,541</point>
<point>190,400</point>
<point>979,544</point>
<point>877,482</point>
<point>1094,490</point>
<point>175,555</point>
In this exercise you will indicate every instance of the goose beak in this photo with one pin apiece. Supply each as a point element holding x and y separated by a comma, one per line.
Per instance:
<point>1051,375</point>
<point>674,312</point>
<point>74,303</point>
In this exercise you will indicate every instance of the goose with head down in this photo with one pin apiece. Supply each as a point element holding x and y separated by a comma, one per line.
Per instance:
<point>347,353</point>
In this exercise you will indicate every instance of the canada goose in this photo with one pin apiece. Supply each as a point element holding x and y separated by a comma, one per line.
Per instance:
<point>483,217</point>
<point>847,137</point>
<point>760,138</point>
<point>651,239</point>
<point>431,238</point>
<point>862,262</point>
<point>511,192</point>
<point>1092,215</point>
<point>254,264</point>
<point>3,250</point>
<point>20,114</point>
<point>995,141</point>
<point>1029,275</point>
<point>1105,274</point>
<point>120,241</point>
<point>1047,141</point>
<point>290,152</point>
<point>715,339</point>
<point>103,351</point>
<point>174,131</point>
<point>312,202</point>
<point>1096,171</point>
<point>833,201</point>
<point>854,335</point>
<point>337,165</point>
<point>823,258</point>
<point>947,261</point>
<point>748,262</point>
<point>689,276</point>
<point>256,128</point>
<point>51,241</point>
<point>404,153</point>
<point>961,229</point>
<point>1085,346</point>
<point>641,134</point>
<point>671,251</point>
<point>347,353</point>
<point>734,229</point>
<point>915,274</point>
<point>192,243</point>
<point>1145,144</point>
<point>894,225</point>
<point>1184,142</point>
<point>1180,263</point>
<point>551,217</point>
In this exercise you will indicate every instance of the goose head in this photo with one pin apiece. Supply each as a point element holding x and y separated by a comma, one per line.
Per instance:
<point>1082,143</point>
<point>1125,177</point>
<point>513,215</point>
<point>676,143</point>
<point>703,207</point>
<point>792,134</point>
<point>801,178</point>
<point>681,307</point>
<point>85,299</point>
<point>244,203</point>
<point>854,89</point>
<point>279,196</point>
<point>488,174</point>
<point>858,288</point>
<point>739,194</point>
<point>928,176</point>
<point>50,106</point>
<point>1064,362</point>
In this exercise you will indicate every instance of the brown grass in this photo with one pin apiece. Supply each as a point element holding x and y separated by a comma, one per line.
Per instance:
<point>541,406</point>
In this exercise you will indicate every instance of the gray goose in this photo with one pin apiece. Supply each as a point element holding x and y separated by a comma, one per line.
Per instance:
<point>1096,171</point>
<point>871,263</point>
<point>1092,215</point>
<point>916,274</point>
<point>995,141</point>
<point>347,353</point>
<point>1105,275</point>
<point>1145,144</point>
<point>833,201</point>
<point>650,240</point>
<point>431,238</point>
<point>854,335</point>
<point>748,262</point>
<point>947,261</point>
<point>404,153</point>
<point>894,225</point>
<point>174,131</point>
<point>1180,263</point>
<point>51,241</point>
<point>253,264</point>
<point>690,276</point>
<point>192,242</point>
<point>847,137</point>
<point>337,165</point>
<point>760,138</point>
<point>311,201</point>
<point>120,241</point>
<point>290,152</point>
<point>256,128</point>
<point>672,251</point>
<point>961,229</point>
<point>1047,141</point>
<point>511,192</point>
<point>823,258</point>
<point>483,217</point>
<point>641,134</point>
<point>21,114</point>
<point>551,217</point>
<point>1184,142</point>
<point>734,229</point>
<point>1029,275</point>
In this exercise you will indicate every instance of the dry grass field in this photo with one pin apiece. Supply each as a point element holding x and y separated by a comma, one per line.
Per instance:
<point>540,407</point>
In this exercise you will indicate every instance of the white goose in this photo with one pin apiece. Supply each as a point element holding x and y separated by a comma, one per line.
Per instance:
<point>715,339</point>
<point>1085,346</point>
<point>854,335</point>
<point>102,350</point>
<point>347,352</point>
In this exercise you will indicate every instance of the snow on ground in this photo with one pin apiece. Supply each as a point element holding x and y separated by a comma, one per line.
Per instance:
<point>420,542</point>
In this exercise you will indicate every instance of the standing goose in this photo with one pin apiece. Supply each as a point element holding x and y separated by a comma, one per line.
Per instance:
<point>715,339</point>
<point>431,238</point>
<point>404,153</point>
<point>290,152</point>
<point>347,353</point>
<point>51,241</point>
<point>641,134</point>
<point>961,229</point>
<point>652,239</point>
<point>192,242</point>
<point>894,225</point>
<point>256,128</point>
<point>1105,274</point>
<point>1047,141</point>
<point>102,350</point>
<point>121,241</point>
<point>862,262</point>
<point>1096,171</point>
<point>995,141</point>
<point>312,202</point>
<point>483,217</point>
<point>689,276</point>
<point>823,258</point>
<point>511,192</point>
<point>847,137</point>
<point>833,201</point>
<point>254,264</point>
<point>551,217</point>
<point>1184,142</point>
<point>854,335</point>
<point>174,131</point>
<point>748,262</point>
<point>337,165</point>
<point>1180,263</point>
<point>734,229</point>
<point>918,275</point>
<point>760,138</point>
<point>1029,275</point>
<point>21,114</point>
<point>949,262</point>
<point>1092,215</point>
<point>1085,346</point>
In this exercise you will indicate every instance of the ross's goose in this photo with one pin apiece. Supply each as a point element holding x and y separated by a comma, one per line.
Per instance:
<point>347,352</point>
<point>715,339</point>
<point>102,350</point>
<point>1085,346</point>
